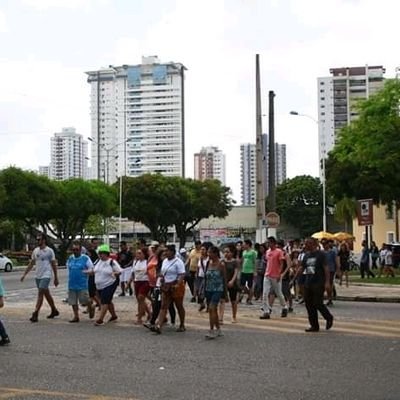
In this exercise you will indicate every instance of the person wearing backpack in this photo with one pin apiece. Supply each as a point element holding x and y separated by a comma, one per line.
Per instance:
<point>106,271</point>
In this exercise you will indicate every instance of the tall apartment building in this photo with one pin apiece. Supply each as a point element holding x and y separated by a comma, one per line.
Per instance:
<point>68,152</point>
<point>248,169</point>
<point>338,96</point>
<point>138,119</point>
<point>209,163</point>
<point>44,170</point>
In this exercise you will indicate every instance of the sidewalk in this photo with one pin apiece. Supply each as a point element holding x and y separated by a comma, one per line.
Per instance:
<point>372,292</point>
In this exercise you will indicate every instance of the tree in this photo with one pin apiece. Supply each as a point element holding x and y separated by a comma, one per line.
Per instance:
<point>75,202</point>
<point>159,202</point>
<point>145,199</point>
<point>299,202</point>
<point>196,200</point>
<point>345,211</point>
<point>365,163</point>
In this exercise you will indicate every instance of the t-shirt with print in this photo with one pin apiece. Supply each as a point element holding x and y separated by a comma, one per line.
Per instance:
<point>43,258</point>
<point>103,273</point>
<point>249,261</point>
<point>140,270</point>
<point>274,259</point>
<point>77,279</point>
<point>313,264</point>
<point>171,269</point>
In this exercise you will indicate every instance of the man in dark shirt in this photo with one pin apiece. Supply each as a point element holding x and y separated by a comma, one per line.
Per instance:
<point>316,272</point>
<point>125,260</point>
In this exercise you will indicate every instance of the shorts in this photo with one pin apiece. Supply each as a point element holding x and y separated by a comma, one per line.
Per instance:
<point>42,283</point>
<point>142,288</point>
<point>213,298</point>
<point>246,278</point>
<point>75,296</point>
<point>106,294</point>
<point>233,294</point>
<point>92,287</point>
<point>126,274</point>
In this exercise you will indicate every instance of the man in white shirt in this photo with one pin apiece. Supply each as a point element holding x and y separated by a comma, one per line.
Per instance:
<point>46,266</point>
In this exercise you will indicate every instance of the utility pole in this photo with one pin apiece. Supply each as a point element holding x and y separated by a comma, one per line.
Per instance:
<point>260,192</point>
<point>271,151</point>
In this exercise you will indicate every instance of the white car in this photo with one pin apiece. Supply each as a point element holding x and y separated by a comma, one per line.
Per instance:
<point>5,263</point>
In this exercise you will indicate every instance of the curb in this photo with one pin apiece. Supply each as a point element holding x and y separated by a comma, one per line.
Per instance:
<point>370,299</point>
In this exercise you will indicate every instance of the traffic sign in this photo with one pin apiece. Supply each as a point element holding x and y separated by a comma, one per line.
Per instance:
<point>273,219</point>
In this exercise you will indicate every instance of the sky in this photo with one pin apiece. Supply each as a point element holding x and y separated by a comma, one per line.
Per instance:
<point>47,45</point>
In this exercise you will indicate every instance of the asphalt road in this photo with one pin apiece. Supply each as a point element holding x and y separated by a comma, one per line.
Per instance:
<point>275,359</point>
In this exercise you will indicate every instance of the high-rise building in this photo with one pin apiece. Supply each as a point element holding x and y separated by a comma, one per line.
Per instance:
<point>338,96</point>
<point>248,168</point>
<point>138,119</point>
<point>209,164</point>
<point>44,170</point>
<point>280,163</point>
<point>68,155</point>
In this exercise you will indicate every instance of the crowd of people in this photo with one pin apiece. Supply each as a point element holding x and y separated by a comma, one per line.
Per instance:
<point>292,272</point>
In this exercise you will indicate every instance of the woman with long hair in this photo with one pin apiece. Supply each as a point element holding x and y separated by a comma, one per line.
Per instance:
<point>141,282</point>
<point>215,289</point>
<point>344,260</point>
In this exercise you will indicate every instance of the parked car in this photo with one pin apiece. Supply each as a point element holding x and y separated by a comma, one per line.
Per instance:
<point>5,263</point>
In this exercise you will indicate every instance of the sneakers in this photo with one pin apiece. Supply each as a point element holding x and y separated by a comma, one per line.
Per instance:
<point>284,312</point>
<point>5,341</point>
<point>249,303</point>
<point>193,300</point>
<point>34,317</point>
<point>99,322</point>
<point>265,316</point>
<point>113,319</point>
<point>219,333</point>
<point>329,303</point>
<point>202,307</point>
<point>121,294</point>
<point>53,314</point>
<point>148,325</point>
<point>312,329</point>
<point>211,334</point>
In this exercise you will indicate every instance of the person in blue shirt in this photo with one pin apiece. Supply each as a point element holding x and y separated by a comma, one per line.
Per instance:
<point>78,266</point>
<point>3,334</point>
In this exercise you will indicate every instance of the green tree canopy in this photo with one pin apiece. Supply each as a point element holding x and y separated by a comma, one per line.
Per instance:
<point>159,202</point>
<point>365,163</point>
<point>299,203</point>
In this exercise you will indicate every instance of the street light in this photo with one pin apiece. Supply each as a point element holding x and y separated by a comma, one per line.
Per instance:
<point>323,170</point>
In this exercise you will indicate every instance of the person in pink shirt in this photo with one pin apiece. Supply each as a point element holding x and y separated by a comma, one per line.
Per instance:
<point>273,279</point>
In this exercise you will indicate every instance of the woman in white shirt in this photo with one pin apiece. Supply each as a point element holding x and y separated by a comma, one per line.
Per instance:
<point>141,281</point>
<point>106,270</point>
<point>172,288</point>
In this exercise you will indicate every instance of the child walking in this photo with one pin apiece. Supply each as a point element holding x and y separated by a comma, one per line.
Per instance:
<point>3,334</point>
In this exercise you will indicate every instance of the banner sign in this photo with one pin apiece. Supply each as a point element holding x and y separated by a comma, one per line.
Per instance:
<point>365,212</point>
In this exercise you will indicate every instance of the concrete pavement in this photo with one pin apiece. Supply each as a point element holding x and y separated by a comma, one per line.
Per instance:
<point>369,292</point>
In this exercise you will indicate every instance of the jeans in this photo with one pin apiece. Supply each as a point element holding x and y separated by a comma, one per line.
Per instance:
<point>314,301</point>
<point>277,288</point>
<point>364,269</point>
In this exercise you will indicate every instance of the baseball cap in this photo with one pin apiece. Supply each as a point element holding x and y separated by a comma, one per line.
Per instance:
<point>104,248</point>
<point>182,250</point>
<point>154,243</point>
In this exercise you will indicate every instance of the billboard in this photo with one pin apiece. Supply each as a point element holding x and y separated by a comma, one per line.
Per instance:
<point>365,212</point>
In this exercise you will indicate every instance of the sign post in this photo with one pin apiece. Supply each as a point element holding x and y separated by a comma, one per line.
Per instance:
<point>365,215</point>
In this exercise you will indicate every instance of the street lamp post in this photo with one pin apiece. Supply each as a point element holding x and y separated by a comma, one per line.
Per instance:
<point>323,171</point>
<point>107,180</point>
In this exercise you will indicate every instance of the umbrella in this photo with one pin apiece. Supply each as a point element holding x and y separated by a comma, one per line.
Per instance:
<point>343,236</point>
<point>322,235</point>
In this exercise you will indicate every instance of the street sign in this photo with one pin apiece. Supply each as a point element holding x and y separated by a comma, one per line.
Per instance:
<point>273,219</point>
<point>365,212</point>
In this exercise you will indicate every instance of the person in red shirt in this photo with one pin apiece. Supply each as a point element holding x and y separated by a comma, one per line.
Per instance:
<point>273,279</point>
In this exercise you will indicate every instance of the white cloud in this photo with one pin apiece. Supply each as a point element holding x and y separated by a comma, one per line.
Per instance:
<point>69,4</point>
<point>3,22</point>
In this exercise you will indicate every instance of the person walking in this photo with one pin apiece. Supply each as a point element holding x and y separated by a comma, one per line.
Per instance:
<point>44,259</point>
<point>275,258</point>
<point>200,274</point>
<point>364,261</point>
<point>172,278</point>
<point>78,265</point>
<point>333,262</point>
<point>125,260</point>
<point>3,333</point>
<point>316,271</point>
<point>344,261</point>
<point>374,250</point>
<point>192,263</point>
<point>215,290</point>
<point>248,273</point>
<point>106,272</point>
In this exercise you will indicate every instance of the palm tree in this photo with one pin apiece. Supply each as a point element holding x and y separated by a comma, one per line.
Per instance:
<point>345,211</point>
